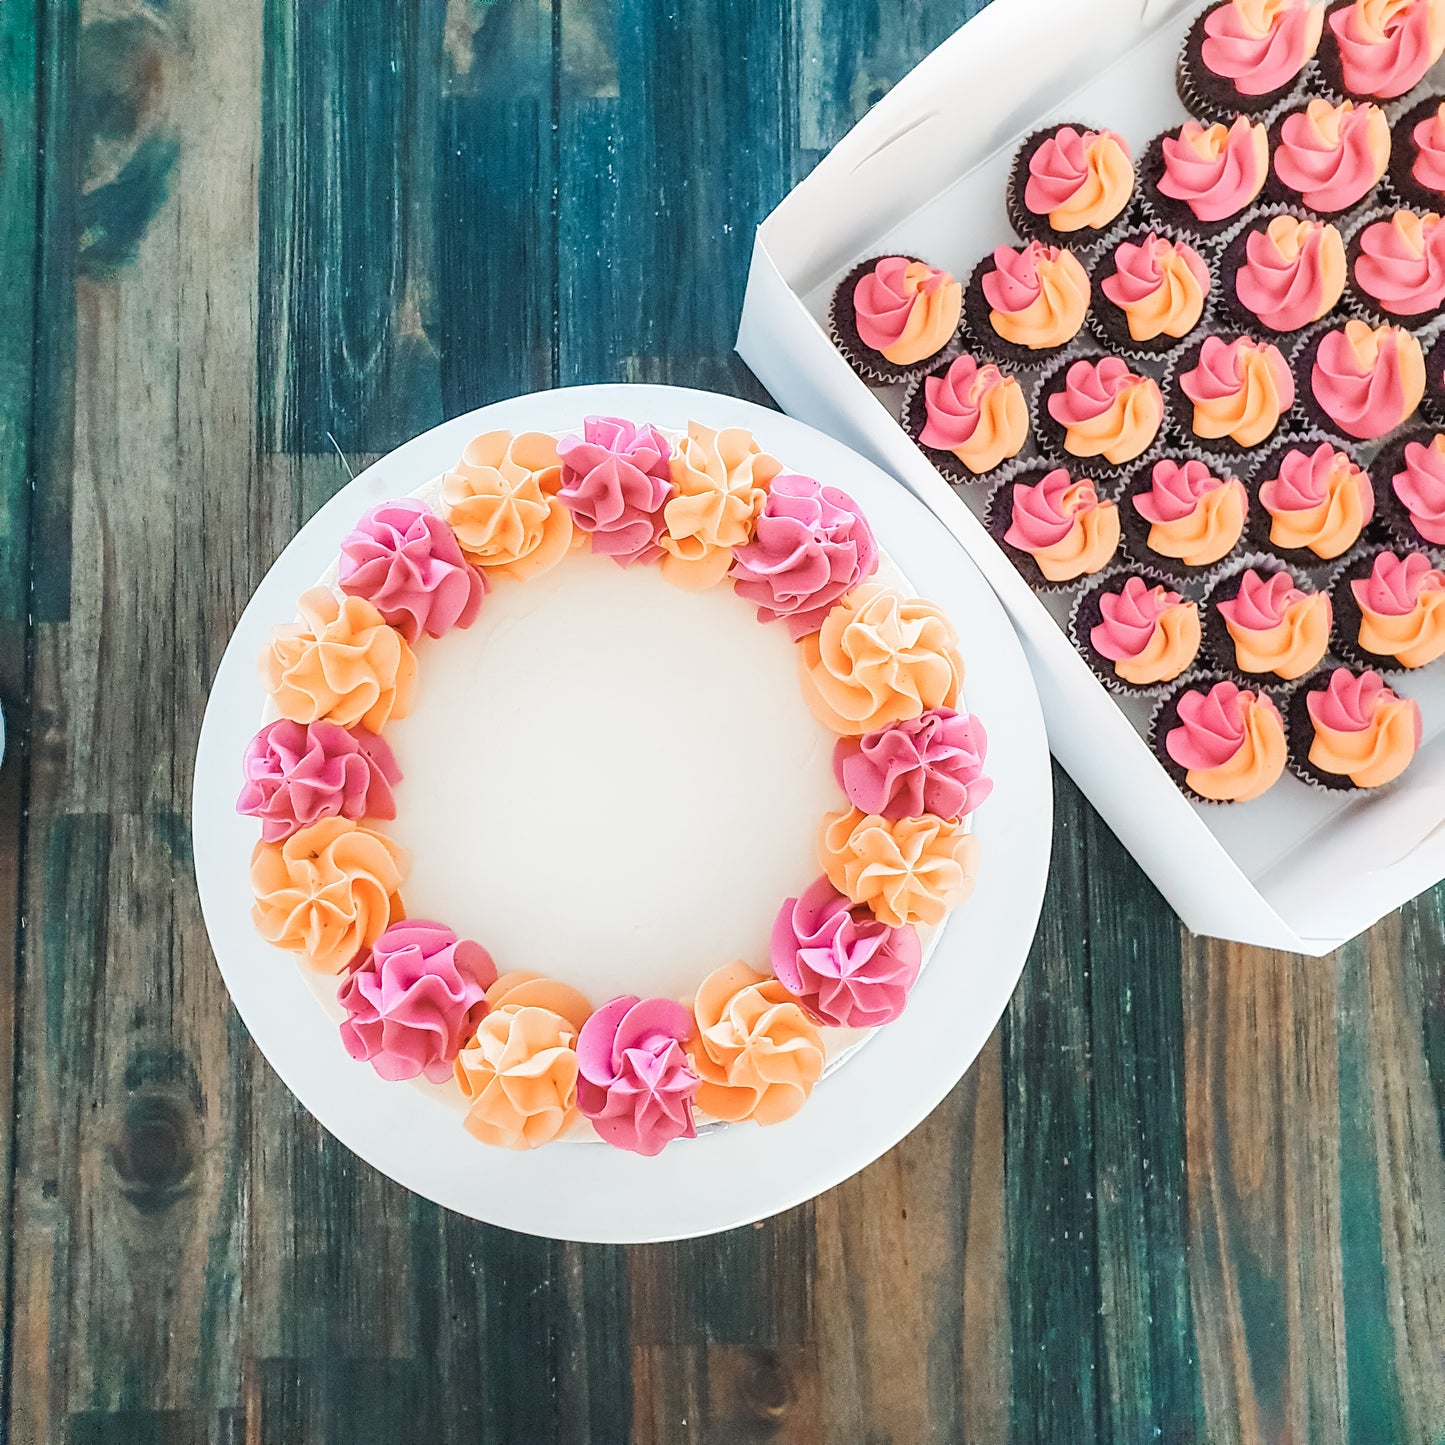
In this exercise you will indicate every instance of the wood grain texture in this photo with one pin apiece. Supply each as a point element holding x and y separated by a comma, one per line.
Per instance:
<point>1189,1192</point>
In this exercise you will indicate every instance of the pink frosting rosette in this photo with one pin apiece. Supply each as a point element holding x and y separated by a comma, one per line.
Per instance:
<point>845,967</point>
<point>811,544</point>
<point>1262,601</point>
<point>414,999</point>
<point>928,764</point>
<point>1130,618</point>
<point>616,478</point>
<point>1211,726</point>
<point>297,773</point>
<point>1394,585</point>
<point>635,1083</point>
<point>1175,491</point>
<point>405,561</point>
<point>1420,486</point>
<point>1428,167</point>
<point>1386,46</point>
<point>1261,59</point>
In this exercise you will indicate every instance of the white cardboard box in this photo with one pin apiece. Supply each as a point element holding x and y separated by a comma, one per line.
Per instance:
<point>924,172</point>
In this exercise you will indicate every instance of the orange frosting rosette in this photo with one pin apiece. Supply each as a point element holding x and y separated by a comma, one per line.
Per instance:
<point>1374,755</point>
<point>755,1050</point>
<point>879,658</point>
<point>340,663</point>
<point>908,871</point>
<point>519,1070</point>
<point>1293,646</point>
<point>1413,640</point>
<point>501,501</point>
<point>327,892</point>
<point>1209,532</point>
<point>722,480</point>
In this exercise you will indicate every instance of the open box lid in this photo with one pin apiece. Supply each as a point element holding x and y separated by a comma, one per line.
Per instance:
<point>933,152</point>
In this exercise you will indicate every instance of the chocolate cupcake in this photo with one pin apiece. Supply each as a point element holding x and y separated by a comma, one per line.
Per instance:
<point>1201,179</point>
<point>1358,379</point>
<point>1281,271</point>
<point>1151,290</point>
<point>1397,267</point>
<point>1410,489</point>
<point>1350,730</point>
<point>1312,501</point>
<point>1264,623</point>
<point>1417,155</point>
<point>1054,526</point>
<point>967,417</point>
<point>1243,58</point>
<point>1069,184</point>
<point>1391,610</point>
<point>1099,410</point>
<point>1230,392</point>
<point>1023,305</point>
<point>1329,158</point>
<point>1220,742</point>
<point>1136,632</point>
<point>895,317</point>
<point>1375,52</point>
<point>1432,409</point>
<point>1182,516</point>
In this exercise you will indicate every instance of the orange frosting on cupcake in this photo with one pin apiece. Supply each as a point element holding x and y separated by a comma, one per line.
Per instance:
<point>1377,753</point>
<point>1173,647</point>
<point>1293,646</point>
<point>1209,532</point>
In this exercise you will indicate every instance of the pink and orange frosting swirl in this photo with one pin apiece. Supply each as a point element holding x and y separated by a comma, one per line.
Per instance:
<point>1333,156</point>
<point>1420,487</point>
<point>1386,46</point>
<point>1230,741</point>
<point>1293,272</point>
<point>1160,285</point>
<point>1261,45</point>
<point>1402,609</point>
<point>1149,633</point>
<point>976,412</point>
<point>907,310</point>
<point>1401,265</point>
<point>1239,389</point>
<point>1215,170</point>
<point>1107,410</point>
<point>1079,179</point>
<point>1062,525</point>
<point>1038,295</point>
<point>1318,501</point>
<point>1275,627</point>
<point>1194,516</point>
<point>1363,730</point>
<point>1368,380</point>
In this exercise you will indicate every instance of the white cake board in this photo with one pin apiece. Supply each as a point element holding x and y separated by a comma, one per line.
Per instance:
<point>728,1176</point>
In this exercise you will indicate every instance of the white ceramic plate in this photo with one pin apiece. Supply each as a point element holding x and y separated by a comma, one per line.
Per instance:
<point>728,1176</point>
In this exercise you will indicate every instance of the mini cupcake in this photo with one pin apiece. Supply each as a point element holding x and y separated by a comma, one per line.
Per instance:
<point>1350,730</point>
<point>1099,408</point>
<point>1069,184</point>
<point>1261,622</point>
<point>1023,305</point>
<point>1391,607</point>
<point>1182,517</point>
<point>967,417</point>
<point>1381,48</point>
<point>1230,393</point>
<point>1151,290</point>
<point>894,317</point>
<point>1282,272</point>
<point>1417,155</point>
<point>1247,55</point>
<point>1397,267</point>
<point>1329,158</point>
<point>1434,404</point>
<point>1314,501</point>
<point>1364,380</point>
<point>1411,473</point>
<point>1135,632</point>
<point>1221,743</point>
<point>1054,527</point>
<point>1202,177</point>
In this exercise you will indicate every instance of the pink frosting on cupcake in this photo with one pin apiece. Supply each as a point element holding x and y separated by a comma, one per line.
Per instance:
<point>297,773</point>
<point>1214,187</point>
<point>845,967</point>
<point>953,402</point>
<point>929,764</point>
<point>1367,399</point>
<point>1042,516</point>
<point>1261,602</point>
<point>1220,371</point>
<point>1329,171</point>
<point>1259,64</point>
<point>1428,167</point>
<point>1175,491</point>
<point>1211,725</point>
<point>810,546</point>
<point>414,999</point>
<point>1386,60</point>
<point>1130,617</point>
<point>1421,489</point>
<point>635,1083</point>
<point>1286,291</point>
<point>405,561</point>
<point>1401,265</point>
<point>1060,166</point>
<point>615,482</point>
<point>1013,285</point>
<point>1302,482</point>
<point>1348,701</point>
<point>1090,389</point>
<point>882,302</point>
<point>1137,274</point>
<point>1394,585</point>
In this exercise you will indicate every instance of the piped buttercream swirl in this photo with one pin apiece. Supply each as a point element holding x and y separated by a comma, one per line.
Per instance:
<point>1160,285</point>
<point>1150,634</point>
<point>1062,525</point>
<point>1363,730</point>
<point>1402,609</point>
<point>1215,170</point>
<point>1386,46</point>
<point>907,310</point>
<point>1420,486</point>
<point>1318,500</point>
<point>1230,741</point>
<point>1038,295</point>
<point>929,764</point>
<point>1293,272</point>
<point>1368,380</point>
<point>1194,516</point>
<point>1401,265</point>
<point>1239,389</point>
<point>1275,627</point>
<point>1332,156</point>
<point>1261,45</point>
<point>976,412</point>
<point>1079,179</point>
<point>1107,410</point>
<point>615,480</point>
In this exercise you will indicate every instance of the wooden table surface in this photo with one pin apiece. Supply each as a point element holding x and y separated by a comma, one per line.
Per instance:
<point>1190,1192</point>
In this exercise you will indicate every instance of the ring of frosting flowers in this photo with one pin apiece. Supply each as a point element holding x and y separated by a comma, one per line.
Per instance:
<point>530,1056</point>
